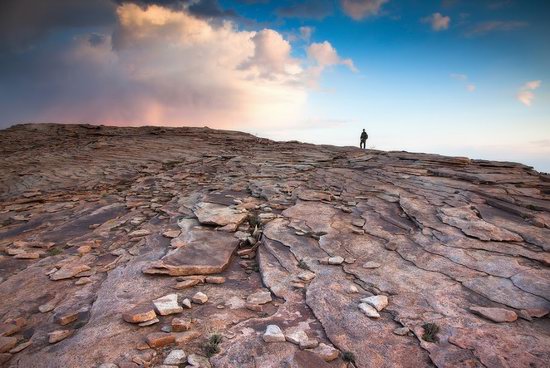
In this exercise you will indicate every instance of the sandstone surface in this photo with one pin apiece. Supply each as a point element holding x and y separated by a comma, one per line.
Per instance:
<point>99,224</point>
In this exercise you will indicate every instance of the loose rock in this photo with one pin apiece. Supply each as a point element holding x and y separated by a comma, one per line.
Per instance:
<point>168,304</point>
<point>273,334</point>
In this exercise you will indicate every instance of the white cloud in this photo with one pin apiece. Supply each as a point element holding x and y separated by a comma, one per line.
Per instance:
<point>438,21</point>
<point>360,9</point>
<point>325,55</point>
<point>306,32</point>
<point>525,94</point>
<point>165,66</point>
<point>463,78</point>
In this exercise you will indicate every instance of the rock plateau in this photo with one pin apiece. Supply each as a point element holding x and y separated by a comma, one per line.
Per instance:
<point>166,247</point>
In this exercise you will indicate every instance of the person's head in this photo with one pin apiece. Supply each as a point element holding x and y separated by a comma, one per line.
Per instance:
<point>363,129</point>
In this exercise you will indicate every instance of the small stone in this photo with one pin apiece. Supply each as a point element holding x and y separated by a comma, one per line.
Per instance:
<point>83,281</point>
<point>358,231</point>
<point>353,289</point>
<point>7,343</point>
<point>401,331</point>
<point>306,276</point>
<point>139,314</point>
<point>181,324</point>
<point>27,255</point>
<point>66,318</point>
<point>377,301</point>
<point>139,233</point>
<point>186,284</point>
<point>20,347</point>
<point>498,315</point>
<point>198,361</point>
<point>160,339</point>
<point>56,336</point>
<point>298,285</point>
<point>199,298</point>
<point>171,234</point>
<point>260,297</point>
<point>186,303</point>
<point>350,260</point>
<point>273,334</point>
<point>296,337</point>
<point>309,344</point>
<point>68,271</point>
<point>84,249</point>
<point>326,352</point>
<point>166,329</point>
<point>108,365</point>
<point>371,265</point>
<point>215,279</point>
<point>176,357</point>
<point>369,310</point>
<point>254,307</point>
<point>335,260</point>
<point>390,245</point>
<point>168,304</point>
<point>149,323</point>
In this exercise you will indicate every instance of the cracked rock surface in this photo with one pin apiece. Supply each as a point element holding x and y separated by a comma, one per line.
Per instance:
<point>128,247</point>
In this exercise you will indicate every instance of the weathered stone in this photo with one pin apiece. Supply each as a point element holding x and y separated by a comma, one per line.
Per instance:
<point>401,331</point>
<point>171,234</point>
<point>326,352</point>
<point>139,233</point>
<point>377,301</point>
<point>369,310</point>
<point>56,336</point>
<point>149,323</point>
<point>140,314</point>
<point>260,297</point>
<point>215,279</point>
<point>199,298</point>
<point>181,324</point>
<point>186,303</point>
<point>7,343</point>
<point>273,334</point>
<point>306,275</point>
<point>66,272</point>
<point>495,314</point>
<point>186,284</point>
<point>335,260</point>
<point>160,339</point>
<point>20,347</point>
<point>198,361</point>
<point>175,357</point>
<point>168,304</point>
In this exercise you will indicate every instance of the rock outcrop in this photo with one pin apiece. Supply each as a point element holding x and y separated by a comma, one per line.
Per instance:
<point>127,247</point>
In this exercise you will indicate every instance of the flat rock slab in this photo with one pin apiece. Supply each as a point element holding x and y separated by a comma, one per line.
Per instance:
<point>495,314</point>
<point>206,252</point>
<point>216,214</point>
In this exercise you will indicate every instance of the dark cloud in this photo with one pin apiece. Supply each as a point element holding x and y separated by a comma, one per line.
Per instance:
<point>315,9</point>
<point>25,22</point>
<point>210,8</point>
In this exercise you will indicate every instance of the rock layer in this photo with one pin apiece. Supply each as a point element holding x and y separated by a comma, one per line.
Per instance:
<point>449,256</point>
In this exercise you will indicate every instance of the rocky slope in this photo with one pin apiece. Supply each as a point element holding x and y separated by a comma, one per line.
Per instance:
<point>161,247</point>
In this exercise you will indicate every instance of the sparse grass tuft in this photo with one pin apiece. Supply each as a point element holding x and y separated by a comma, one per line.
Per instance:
<point>54,251</point>
<point>430,332</point>
<point>348,356</point>
<point>303,265</point>
<point>211,347</point>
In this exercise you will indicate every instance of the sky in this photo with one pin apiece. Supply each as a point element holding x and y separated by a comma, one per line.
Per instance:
<point>454,77</point>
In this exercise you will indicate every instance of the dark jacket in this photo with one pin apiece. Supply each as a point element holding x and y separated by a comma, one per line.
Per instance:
<point>364,136</point>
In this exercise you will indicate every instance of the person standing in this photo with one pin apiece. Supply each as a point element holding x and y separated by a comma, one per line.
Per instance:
<point>364,137</point>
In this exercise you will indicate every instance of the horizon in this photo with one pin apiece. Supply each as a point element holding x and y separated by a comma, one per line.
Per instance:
<point>446,77</point>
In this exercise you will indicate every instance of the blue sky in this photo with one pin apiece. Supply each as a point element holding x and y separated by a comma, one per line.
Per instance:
<point>457,77</point>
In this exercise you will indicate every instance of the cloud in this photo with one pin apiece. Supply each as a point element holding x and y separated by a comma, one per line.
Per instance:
<point>361,9</point>
<point>438,21</point>
<point>314,9</point>
<point>325,55</point>
<point>306,32</point>
<point>483,28</point>
<point>463,78</point>
<point>525,94</point>
<point>162,65</point>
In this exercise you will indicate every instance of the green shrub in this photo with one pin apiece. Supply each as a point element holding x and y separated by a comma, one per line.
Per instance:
<point>430,332</point>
